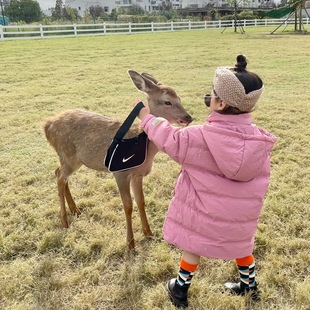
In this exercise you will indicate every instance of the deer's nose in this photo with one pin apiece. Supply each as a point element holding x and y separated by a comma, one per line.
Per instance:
<point>188,118</point>
<point>184,121</point>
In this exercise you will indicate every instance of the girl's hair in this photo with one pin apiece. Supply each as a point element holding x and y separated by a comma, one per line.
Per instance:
<point>250,81</point>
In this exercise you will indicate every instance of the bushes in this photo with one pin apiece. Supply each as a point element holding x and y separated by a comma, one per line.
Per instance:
<point>240,16</point>
<point>141,18</point>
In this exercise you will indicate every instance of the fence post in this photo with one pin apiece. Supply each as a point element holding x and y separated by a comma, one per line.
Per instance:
<point>129,25</point>
<point>75,30</point>
<point>152,26</point>
<point>41,31</point>
<point>171,25</point>
<point>104,28</point>
<point>189,25</point>
<point>1,33</point>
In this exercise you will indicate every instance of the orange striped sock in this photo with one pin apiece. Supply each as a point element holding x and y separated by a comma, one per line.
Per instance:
<point>246,268</point>
<point>186,273</point>
<point>187,266</point>
<point>245,261</point>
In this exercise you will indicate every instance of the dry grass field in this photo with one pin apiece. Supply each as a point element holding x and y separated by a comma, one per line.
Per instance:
<point>88,266</point>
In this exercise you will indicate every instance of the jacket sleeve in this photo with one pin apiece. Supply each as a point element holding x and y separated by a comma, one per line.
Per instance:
<point>171,140</point>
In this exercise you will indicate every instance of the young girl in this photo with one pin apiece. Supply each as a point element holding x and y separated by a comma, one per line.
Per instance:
<point>225,170</point>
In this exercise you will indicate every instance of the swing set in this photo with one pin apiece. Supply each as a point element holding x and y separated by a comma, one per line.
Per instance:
<point>295,8</point>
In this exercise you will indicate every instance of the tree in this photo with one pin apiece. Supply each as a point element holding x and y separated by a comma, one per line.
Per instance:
<point>57,11</point>
<point>167,10</point>
<point>64,12</point>
<point>135,9</point>
<point>70,14</point>
<point>23,10</point>
<point>114,14</point>
<point>95,11</point>
<point>166,5</point>
<point>235,4</point>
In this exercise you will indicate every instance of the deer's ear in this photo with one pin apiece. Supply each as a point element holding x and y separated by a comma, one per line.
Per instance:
<point>150,77</point>
<point>143,84</point>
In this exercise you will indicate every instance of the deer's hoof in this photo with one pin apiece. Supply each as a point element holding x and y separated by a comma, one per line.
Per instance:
<point>77,212</point>
<point>149,234</point>
<point>65,224</point>
<point>151,237</point>
<point>131,244</point>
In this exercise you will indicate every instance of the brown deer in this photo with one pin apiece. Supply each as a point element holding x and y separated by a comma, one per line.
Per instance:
<point>82,138</point>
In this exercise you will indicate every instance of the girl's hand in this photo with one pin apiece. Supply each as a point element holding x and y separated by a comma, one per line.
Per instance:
<point>144,111</point>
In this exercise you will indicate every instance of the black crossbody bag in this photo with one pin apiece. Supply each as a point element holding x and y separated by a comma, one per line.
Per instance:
<point>124,154</point>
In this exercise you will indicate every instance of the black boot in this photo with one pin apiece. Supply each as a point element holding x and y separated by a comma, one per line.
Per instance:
<point>177,293</point>
<point>242,289</point>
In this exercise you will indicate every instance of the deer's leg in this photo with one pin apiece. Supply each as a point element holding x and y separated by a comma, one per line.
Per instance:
<point>62,174</point>
<point>137,188</point>
<point>123,183</point>
<point>72,206</point>
<point>61,184</point>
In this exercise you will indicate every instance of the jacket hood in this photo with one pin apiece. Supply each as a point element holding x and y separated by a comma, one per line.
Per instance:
<point>239,148</point>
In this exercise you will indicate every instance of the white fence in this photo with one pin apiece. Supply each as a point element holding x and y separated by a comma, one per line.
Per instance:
<point>76,30</point>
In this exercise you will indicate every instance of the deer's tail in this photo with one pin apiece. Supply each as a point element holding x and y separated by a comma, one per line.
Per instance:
<point>47,126</point>
<point>50,133</point>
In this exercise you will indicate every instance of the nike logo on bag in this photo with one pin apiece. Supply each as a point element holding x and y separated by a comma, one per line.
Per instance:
<point>126,159</point>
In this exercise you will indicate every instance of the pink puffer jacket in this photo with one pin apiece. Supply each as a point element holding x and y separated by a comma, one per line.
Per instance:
<point>224,177</point>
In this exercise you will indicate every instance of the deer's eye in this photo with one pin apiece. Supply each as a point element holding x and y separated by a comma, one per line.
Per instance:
<point>168,103</point>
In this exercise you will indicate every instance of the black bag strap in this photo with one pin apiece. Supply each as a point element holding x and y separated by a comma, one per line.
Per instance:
<point>128,121</point>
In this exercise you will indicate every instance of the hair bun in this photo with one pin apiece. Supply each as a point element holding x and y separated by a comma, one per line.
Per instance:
<point>241,63</point>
